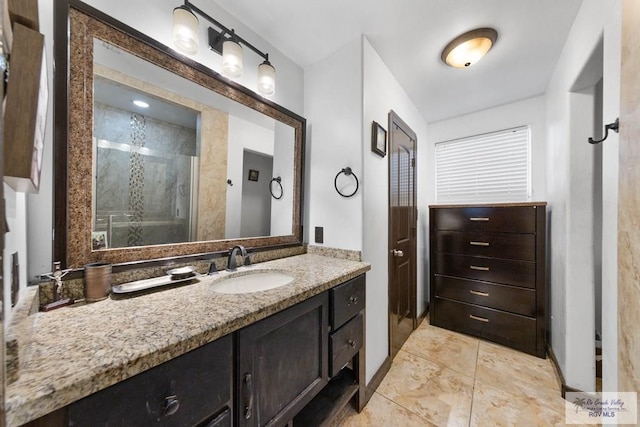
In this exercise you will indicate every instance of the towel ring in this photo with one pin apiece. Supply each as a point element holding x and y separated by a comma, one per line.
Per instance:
<point>278,181</point>
<point>347,171</point>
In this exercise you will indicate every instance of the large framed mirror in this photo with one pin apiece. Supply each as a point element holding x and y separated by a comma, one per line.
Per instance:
<point>164,157</point>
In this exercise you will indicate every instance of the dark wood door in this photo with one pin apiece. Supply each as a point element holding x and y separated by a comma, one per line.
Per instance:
<point>402,232</point>
<point>282,363</point>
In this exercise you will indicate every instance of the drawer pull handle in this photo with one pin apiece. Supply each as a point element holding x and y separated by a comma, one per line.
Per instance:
<point>483,218</point>
<point>479,243</point>
<point>352,343</point>
<point>171,405</point>
<point>479,319</point>
<point>480,294</point>
<point>353,299</point>
<point>475,267</point>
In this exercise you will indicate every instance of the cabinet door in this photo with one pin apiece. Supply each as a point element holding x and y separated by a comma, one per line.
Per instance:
<point>282,363</point>
<point>181,392</point>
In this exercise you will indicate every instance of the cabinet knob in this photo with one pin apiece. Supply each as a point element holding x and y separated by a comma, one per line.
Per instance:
<point>352,343</point>
<point>171,405</point>
<point>353,299</point>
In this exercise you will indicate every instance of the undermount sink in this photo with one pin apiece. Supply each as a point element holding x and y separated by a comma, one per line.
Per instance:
<point>254,281</point>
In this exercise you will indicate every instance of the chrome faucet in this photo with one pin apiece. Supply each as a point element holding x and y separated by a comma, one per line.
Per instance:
<point>231,261</point>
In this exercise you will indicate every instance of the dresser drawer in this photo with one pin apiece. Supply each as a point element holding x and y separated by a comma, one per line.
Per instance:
<point>516,273</point>
<point>501,297</point>
<point>345,343</point>
<point>509,329</point>
<point>498,245</point>
<point>346,301</point>
<point>513,219</point>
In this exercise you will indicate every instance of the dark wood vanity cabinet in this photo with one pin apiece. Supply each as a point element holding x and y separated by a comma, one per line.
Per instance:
<point>300,366</point>
<point>282,363</point>
<point>488,272</point>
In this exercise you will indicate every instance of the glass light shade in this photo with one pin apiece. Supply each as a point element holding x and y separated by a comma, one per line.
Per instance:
<point>185,30</point>
<point>469,48</point>
<point>266,79</point>
<point>232,59</point>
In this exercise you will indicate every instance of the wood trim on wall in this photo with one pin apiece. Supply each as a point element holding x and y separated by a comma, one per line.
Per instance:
<point>377,378</point>
<point>564,388</point>
<point>61,127</point>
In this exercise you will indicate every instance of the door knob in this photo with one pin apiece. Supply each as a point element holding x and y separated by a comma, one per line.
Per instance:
<point>397,253</point>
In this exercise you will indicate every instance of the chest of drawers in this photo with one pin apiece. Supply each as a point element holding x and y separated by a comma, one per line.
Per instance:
<point>488,272</point>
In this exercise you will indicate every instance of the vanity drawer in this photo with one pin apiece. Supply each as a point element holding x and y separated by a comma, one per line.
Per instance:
<point>345,343</point>
<point>501,297</point>
<point>509,329</point>
<point>516,273</point>
<point>513,219</point>
<point>498,245</point>
<point>200,381</point>
<point>347,300</point>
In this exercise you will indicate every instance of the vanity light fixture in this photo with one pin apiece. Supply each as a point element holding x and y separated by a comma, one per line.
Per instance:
<point>141,104</point>
<point>224,41</point>
<point>469,48</point>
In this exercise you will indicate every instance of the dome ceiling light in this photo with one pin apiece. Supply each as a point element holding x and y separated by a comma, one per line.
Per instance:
<point>469,48</point>
<point>225,42</point>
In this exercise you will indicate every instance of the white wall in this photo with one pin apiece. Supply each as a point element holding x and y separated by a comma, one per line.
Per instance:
<point>529,111</point>
<point>571,301</point>
<point>611,108</point>
<point>245,136</point>
<point>283,152</point>
<point>382,93</point>
<point>40,206</point>
<point>14,241</point>
<point>154,19</point>
<point>333,106</point>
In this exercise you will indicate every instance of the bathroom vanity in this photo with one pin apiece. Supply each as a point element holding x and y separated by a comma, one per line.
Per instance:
<point>193,356</point>
<point>488,272</point>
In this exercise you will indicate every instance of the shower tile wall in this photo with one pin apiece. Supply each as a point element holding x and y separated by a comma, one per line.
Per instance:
<point>151,217</point>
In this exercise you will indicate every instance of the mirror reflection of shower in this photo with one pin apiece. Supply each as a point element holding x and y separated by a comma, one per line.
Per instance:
<point>146,169</point>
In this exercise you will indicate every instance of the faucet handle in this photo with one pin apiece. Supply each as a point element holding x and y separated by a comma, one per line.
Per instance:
<point>212,268</point>
<point>247,260</point>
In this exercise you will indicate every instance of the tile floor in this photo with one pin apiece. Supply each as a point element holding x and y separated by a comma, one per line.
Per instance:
<point>442,378</point>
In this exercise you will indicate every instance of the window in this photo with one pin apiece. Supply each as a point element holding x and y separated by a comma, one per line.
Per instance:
<point>493,167</point>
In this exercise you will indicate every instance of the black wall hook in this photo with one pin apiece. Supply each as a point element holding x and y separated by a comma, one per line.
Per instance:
<point>613,126</point>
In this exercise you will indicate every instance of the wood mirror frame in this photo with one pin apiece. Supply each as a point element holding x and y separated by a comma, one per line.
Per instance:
<point>76,26</point>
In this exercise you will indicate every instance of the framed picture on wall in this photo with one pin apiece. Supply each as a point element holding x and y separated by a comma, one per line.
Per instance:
<point>253,175</point>
<point>378,139</point>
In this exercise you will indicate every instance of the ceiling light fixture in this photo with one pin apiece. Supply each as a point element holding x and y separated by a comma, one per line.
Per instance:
<point>225,42</point>
<point>141,104</point>
<point>469,48</point>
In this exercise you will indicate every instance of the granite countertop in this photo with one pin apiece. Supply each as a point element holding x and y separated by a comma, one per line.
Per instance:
<point>75,351</point>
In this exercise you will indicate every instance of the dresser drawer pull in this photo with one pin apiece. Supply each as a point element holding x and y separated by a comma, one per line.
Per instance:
<point>475,267</point>
<point>479,243</point>
<point>481,218</point>
<point>480,294</point>
<point>479,319</point>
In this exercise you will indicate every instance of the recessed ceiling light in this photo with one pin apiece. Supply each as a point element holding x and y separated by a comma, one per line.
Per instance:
<point>140,104</point>
<point>469,48</point>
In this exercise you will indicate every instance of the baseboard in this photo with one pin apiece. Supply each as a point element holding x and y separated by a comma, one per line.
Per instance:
<point>377,378</point>
<point>422,316</point>
<point>564,387</point>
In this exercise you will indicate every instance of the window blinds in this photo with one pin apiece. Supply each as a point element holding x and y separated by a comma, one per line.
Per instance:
<point>493,167</point>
